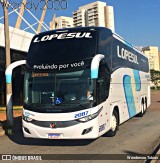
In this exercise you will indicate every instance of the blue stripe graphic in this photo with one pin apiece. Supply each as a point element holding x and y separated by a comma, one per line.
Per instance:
<point>8,79</point>
<point>94,73</point>
<point>137,80</point>
<point>129,95</point>
<point>128,44</point>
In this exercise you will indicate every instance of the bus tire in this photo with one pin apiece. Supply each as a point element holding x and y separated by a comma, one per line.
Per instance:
<point>142,110</point>
<point>145,105</point>
<point>114,126</point>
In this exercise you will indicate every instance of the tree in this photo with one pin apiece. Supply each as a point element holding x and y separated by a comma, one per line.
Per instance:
<point>155,77</point>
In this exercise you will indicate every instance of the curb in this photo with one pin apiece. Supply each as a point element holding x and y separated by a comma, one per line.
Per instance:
<point>156,161</point>
<point>154,153</point>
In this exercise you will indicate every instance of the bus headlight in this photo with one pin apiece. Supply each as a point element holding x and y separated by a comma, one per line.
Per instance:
<point>27,119</point>
<point>90,117</point>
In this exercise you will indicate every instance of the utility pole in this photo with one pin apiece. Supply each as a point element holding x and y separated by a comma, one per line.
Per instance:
<point>9,110</point>
<point>6,33</point>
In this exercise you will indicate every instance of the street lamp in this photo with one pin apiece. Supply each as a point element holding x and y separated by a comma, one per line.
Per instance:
<point>9,110</point>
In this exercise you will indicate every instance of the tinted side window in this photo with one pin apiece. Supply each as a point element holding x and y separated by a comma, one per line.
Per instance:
<point>103,83</point>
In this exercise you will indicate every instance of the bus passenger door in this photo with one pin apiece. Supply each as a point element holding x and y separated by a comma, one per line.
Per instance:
<point>103,83</point>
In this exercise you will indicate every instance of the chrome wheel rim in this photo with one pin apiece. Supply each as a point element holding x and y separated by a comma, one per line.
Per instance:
<point>114,123</point>
<point>142,110</point>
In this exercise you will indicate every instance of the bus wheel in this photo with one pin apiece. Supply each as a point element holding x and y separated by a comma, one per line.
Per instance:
<point>114,125</point>
<point>142,110</point>
<point>145,105</point>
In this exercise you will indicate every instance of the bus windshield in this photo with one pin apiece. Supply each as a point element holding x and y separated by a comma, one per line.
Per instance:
<point>58,91</point>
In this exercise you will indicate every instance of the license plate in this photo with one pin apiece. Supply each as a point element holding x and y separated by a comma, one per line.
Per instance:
<point>54,136</point>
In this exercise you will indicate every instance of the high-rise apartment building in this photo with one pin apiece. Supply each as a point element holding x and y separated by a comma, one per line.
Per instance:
<point>79,18</point>
<point>152,53</point>
<point>109,17</point>
<point>94,14</point>
<point>63,22</point>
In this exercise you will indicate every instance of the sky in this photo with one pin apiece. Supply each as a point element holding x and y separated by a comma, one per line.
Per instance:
<point>137,21</point>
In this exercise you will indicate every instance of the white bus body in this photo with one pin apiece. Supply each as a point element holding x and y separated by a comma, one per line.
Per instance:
<point>127,92</point>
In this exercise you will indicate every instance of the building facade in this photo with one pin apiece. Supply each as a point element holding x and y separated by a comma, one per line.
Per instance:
<point>152,53</point>
<point>63,22</point>
<point>19,44</point>
<point>17,77</point>
<point>109,17</point>
<point>94,14</point>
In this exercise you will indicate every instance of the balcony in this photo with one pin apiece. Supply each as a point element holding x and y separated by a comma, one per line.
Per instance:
<point>74,13</point>
<point>95,16</point>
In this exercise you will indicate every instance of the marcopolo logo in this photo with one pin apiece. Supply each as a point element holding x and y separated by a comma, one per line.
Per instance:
<point>126,55</point>
<point>35,5</point>
<point>63,36</point>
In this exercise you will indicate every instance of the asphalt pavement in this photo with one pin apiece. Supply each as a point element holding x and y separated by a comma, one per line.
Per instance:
<point>139,135</point>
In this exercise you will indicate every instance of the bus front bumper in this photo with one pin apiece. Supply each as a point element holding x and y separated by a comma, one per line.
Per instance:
<point>86,130</point>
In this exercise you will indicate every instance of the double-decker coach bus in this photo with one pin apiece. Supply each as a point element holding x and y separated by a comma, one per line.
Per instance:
<point>81,83</point>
